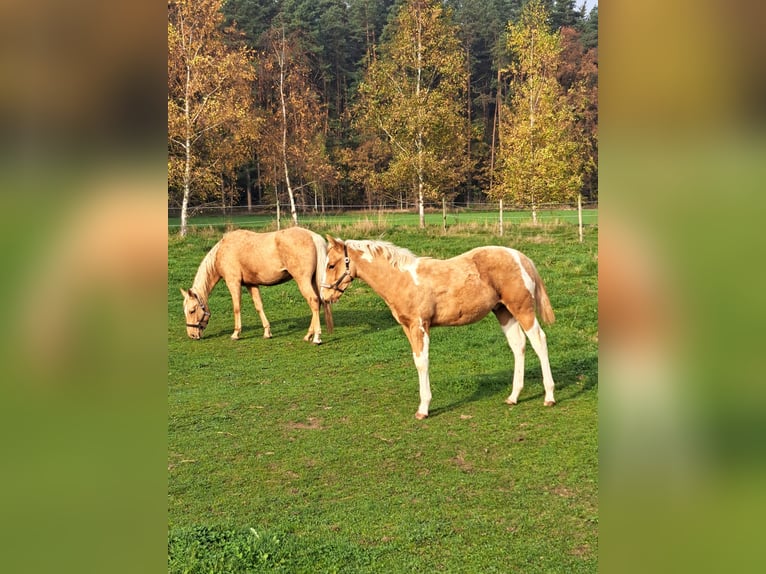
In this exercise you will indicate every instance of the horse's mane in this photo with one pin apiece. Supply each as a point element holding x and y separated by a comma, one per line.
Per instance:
<point>206,276</point>
<point>398,257</point>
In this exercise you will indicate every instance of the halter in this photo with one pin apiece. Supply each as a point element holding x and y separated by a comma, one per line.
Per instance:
<point>336,286</point>
<point>205,314</point>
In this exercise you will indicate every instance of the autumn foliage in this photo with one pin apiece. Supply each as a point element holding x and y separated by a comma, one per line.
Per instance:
<point>331,103</point>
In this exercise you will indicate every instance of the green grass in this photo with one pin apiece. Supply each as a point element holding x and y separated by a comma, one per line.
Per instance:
<point>486,219</point>
<point>288,457</point>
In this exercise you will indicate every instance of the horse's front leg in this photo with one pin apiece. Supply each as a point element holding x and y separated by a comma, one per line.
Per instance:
<point>418,335</point>
<point>314,333</point>
<point>235,288</point>
<point>255,293</point>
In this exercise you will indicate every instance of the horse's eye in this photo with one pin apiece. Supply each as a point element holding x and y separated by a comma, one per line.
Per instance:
<point>331,266</point>
<point>192,309</point>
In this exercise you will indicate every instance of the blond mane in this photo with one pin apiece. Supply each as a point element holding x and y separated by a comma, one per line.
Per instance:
<point>206,276</point>
<point>398,257</point>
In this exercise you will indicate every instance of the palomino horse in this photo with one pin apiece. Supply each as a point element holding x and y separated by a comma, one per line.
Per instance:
<point>252,259</point>
<point>423,292</point>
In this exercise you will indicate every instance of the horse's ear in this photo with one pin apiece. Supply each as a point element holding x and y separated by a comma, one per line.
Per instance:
<point>332,241</point>
<point>184,292</point>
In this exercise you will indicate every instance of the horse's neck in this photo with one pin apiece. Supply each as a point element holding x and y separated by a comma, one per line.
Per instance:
<point>206,278</point>
<point>377,274</point>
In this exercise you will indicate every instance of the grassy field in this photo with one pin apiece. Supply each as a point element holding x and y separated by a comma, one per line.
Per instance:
<point>288,457</point>
<point>486,219</point>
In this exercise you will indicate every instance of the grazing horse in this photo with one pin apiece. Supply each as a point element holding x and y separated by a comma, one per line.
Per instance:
<point>252,259</point>
<point>423,292</point>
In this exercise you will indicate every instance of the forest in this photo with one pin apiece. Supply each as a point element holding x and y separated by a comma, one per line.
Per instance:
<point>351,104</point>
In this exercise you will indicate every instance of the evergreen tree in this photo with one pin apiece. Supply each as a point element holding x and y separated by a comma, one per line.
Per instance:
<point>590,29</point>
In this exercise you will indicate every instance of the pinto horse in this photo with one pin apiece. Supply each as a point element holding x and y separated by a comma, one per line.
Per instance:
<point>423,292</point>
<point>252,259</point>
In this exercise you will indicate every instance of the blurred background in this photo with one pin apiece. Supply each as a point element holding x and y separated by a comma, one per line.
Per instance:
<point>682,174</point>
<point>83,297</point>
<point>83,229</point>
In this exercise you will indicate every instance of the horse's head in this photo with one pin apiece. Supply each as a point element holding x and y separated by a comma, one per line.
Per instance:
<point>196,312</point>
<point>338,274</point>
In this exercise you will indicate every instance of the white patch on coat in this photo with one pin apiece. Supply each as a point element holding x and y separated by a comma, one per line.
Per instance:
<point>528,282</point>
<point>412,269</point>
<point>421,360</point>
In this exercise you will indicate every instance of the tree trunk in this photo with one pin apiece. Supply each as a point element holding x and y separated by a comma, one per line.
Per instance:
<point>223,195</point>
<point>469,177</point>
<point>258,180</point>
<point>419,143</point>
<point>187,153</point>
<point>421,203</point>
<point>248,183</point>
<point>501,217</point>
<point>444,214</point>
<point>495,127</point>
<point>281,57</point>
<point>579,214</point>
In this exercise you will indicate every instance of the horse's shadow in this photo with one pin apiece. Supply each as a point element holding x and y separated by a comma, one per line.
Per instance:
<point>498,384</point>
<point>371,321</point>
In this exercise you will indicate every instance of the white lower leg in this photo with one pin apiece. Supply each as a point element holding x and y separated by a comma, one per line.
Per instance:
<point>540,345</point>
<point>421,364</point>
<point>517,341</point>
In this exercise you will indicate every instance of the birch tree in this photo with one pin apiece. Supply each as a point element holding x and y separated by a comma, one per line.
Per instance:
<point>293,138</point>
<point>209,102</point>
<point>541,156</point>
<point>413,95</point>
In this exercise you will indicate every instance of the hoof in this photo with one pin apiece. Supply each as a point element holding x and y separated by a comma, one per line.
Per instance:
<point>549,403</point>
<point>235,337</point>
<point>317,342</point>
<point>420,416</point>
<point>510,402</point>
<point>267,335</point>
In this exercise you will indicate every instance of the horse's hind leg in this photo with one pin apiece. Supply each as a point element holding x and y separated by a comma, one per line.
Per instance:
<point>306,287</point>
<point>517,342</point>
<point>255,293</point>
<point>540,345</point>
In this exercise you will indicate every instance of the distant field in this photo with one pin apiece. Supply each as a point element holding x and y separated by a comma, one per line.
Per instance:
<point>482,218</point>
<point>288,457</point>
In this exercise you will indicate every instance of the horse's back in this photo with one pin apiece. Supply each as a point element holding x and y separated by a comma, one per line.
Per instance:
<point>267,258</point>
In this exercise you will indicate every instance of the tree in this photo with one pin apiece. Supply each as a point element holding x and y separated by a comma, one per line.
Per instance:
<point>210,127</point>
<point>541,155</point>
<point>293,138</point>
<point>578,77</point>
<point>590,29</point>
<point>413,95</point>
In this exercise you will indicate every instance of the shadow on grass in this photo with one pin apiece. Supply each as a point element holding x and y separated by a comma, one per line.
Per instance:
<point>347,326</point>
<point>498,384</point>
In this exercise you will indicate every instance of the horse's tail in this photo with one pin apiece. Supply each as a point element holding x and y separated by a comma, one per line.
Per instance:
<point>321,249</point>
<point>542,302</point>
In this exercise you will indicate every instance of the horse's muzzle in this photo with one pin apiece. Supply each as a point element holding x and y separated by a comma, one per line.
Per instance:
<point>330,294</point>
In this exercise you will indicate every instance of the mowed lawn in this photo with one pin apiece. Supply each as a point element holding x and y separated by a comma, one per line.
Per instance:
<point>289,457</point>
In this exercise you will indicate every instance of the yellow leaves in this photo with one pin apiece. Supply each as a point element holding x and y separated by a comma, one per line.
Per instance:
<point>209,78</point>
<point>412,98</point>
<point>541,156</point>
